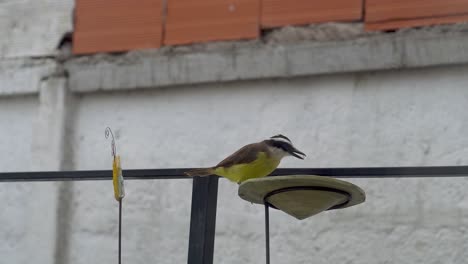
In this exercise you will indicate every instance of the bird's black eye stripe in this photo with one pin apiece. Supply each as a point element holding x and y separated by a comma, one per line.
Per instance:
<point>280,144</point>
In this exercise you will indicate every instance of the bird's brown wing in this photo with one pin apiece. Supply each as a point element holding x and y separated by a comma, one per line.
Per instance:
<point>246,154</point>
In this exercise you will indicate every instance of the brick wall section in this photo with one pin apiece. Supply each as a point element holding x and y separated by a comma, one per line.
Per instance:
<point>123,25</point>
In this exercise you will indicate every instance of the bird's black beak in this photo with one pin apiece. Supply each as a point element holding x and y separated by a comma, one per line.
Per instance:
<point>297,153</point>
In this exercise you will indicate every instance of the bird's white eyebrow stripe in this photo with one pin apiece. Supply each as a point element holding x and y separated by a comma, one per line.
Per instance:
<point>281,138</point>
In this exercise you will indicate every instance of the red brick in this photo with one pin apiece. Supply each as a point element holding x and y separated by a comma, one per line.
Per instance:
<point>190,21</point>
<point>395,24</point>
<point>117,25</point>
<point>393,14</point>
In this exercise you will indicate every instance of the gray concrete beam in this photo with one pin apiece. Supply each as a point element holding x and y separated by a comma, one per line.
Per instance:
<point>256,60</point>
<point>23,76</point>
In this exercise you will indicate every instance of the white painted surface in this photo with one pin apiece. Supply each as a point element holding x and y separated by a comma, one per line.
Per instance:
<point>398,118</point>
<point>33,28</point>
<point>25,227</point>
<point>17,115</point>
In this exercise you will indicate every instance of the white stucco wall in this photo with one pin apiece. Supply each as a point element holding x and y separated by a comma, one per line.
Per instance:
<point>388,118</point>
<point>17,115</point>
<point>399,118</point>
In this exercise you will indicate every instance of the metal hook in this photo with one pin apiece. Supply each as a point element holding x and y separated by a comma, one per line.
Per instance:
<point>108,132</point>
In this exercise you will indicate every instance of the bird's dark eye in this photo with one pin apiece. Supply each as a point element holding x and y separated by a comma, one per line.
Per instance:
<point>281,145</point>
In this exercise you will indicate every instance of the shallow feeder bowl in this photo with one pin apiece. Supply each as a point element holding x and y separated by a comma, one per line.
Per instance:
<point>302,196</point>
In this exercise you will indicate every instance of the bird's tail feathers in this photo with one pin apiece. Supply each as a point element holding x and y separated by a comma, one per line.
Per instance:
<point>200,172</point>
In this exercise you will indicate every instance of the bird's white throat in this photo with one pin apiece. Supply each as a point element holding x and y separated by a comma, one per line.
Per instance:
<point>277,152</point>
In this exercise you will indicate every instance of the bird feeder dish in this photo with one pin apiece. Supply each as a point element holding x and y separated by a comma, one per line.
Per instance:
<point>301,196</point>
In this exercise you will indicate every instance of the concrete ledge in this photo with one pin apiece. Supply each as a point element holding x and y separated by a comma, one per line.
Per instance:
<point>23,76</point>
<point>259,60</point>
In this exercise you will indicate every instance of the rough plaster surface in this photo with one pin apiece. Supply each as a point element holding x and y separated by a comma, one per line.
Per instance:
<point>33,28</point>
<point>17,116</point>
<point>396,118</point>
<point>316,32</point>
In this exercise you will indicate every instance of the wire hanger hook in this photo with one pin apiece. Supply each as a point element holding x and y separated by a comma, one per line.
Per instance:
<point>108,132</point>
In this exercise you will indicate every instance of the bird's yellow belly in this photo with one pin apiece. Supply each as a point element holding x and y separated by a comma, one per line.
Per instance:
<point>261,167</point>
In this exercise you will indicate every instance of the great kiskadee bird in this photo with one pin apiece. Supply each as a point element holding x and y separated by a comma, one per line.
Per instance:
<point>252,161</point>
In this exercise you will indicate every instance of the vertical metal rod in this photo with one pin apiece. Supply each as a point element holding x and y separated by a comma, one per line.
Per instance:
<point>203,220</point>
<point>267,232</point>
<point>120,231</point>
